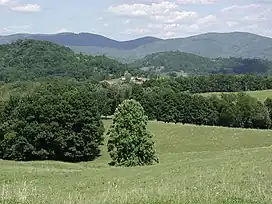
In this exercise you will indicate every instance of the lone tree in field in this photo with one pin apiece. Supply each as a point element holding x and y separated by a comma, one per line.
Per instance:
<point>129,142</point>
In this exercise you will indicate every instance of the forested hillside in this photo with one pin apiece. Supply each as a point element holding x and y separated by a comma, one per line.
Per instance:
<point>166,62</point>
<point>181,62</point>
<point>30,59</point>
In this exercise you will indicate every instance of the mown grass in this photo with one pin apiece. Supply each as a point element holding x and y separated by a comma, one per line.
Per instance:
<point>260,95</point>
<point>198,165</point>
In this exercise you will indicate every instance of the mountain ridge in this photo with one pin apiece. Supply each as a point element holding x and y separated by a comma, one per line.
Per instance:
<point>211,44</point>
<point>81,39</point>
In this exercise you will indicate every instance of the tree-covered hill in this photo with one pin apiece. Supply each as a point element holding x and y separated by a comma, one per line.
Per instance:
<point>30,59</point>
<point>165,62</point>
<point>186,63</point>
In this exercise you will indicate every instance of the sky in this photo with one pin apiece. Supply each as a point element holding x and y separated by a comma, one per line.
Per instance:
<point>129,19</point>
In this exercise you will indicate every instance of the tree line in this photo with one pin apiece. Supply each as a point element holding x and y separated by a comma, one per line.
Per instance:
<point>229,110</point>
<point>213,83</point>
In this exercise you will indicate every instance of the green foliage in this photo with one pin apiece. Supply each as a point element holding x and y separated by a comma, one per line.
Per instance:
<point>169,99</point>
<point>31,59</point>
<point>213,83</point>
<point>174,61</point>
<point>268,104</point>
<point>54,122</point>
<point>166,103</point>
<point>180,63</point>
<point>129,142</point>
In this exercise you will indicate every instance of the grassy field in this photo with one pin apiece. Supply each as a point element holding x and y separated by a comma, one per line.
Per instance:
<point>261,95</point>
<point>198,165</point>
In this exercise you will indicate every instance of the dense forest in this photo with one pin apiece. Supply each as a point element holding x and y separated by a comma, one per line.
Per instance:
<point>180,63</point>
<point>213,83</point>
<point>29,59</point>
<point>52,101</point>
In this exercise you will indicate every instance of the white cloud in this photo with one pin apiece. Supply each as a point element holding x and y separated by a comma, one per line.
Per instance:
<point>176,1</point>
<point>196,1</point>
<point>170,19</point>
<point>136,10</point>
<point>138,31</point>
<point>127,21</point>
<point>5,2</point>
<point>15,29</point>
<point>167,12</point>
<point>62,30</point>
<point>175,16</point>
<point>28,8</point>
<point>16,5</point>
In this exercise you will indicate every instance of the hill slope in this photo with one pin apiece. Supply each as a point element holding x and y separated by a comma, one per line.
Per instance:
<point>181,62</point>
<point>198,165</point>
<point>30,59</point>
<point>81,39</point>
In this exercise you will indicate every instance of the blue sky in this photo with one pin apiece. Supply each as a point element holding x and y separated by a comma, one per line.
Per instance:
<point>127,19</point>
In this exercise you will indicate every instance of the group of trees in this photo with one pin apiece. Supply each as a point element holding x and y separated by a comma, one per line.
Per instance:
<point>169,100</point>
<point>213,83</point>
<point>230,110</point>
<point>61,120</point>
<point>53,122</point>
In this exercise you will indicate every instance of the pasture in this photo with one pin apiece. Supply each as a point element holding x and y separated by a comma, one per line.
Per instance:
<point>198,165</point>
<point>260,95</point>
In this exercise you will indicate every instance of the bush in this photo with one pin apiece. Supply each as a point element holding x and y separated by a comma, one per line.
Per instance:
<point>51,124</point>
<point>129,142</point>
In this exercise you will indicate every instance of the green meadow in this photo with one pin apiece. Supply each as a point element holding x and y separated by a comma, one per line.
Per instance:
<point>260,95</point>
<point>198,165</point>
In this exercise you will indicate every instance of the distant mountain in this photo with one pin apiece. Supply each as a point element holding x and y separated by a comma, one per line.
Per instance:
<point>212,45</point>
<point>82,39</point>
<point>234,44</point>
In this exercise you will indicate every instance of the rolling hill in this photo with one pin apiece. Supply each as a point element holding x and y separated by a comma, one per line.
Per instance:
<point>31,59</point>
<point>234,44</point>
<point>213,45</point>
<point>81,39</point>
<point>198,165</point>
<point>187,63</point>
